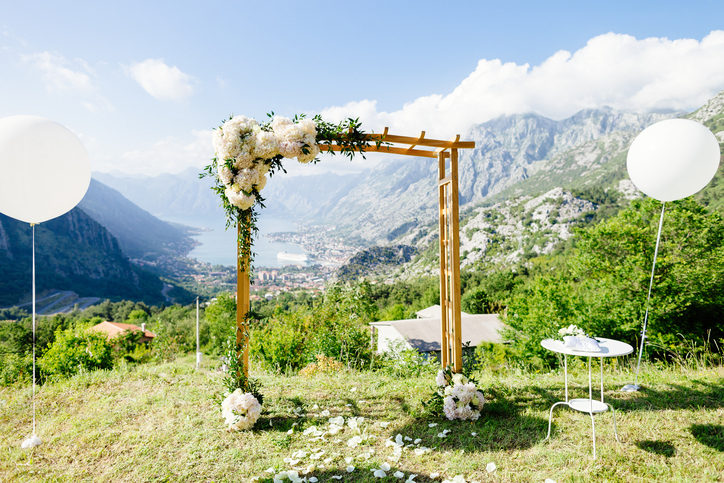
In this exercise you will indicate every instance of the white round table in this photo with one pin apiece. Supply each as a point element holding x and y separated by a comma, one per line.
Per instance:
<point>609,348</point>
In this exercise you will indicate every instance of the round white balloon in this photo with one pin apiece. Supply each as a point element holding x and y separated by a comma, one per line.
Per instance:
<point>44,169</point>
<point>673,159</point>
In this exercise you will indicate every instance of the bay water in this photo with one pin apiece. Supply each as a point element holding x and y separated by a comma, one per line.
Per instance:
<point>218,245</point>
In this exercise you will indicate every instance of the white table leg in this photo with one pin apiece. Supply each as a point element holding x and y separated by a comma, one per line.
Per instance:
<point>550,418</point>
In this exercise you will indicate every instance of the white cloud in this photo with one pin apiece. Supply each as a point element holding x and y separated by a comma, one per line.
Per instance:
<point>610,70</point>
<point>63,76</point>
<point>161,81</point>
<point>169,155</point>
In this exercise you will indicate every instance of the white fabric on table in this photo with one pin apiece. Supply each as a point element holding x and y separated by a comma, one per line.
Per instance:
<point>579,343</point>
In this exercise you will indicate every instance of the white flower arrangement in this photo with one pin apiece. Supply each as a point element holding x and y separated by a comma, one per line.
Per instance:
<point>461,398</point>
<point>240,410</point>
<point>244,149</point>
<point>572,330</point>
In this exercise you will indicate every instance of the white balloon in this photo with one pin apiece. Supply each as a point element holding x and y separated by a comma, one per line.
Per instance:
<point>673,159</point>
<point>44,169</point>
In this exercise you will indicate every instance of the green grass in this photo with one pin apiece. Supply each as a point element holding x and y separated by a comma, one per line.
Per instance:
<point>160,423</point>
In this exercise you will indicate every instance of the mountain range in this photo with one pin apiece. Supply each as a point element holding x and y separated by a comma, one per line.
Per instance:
<point>514,155</point>
<point>89,250</point>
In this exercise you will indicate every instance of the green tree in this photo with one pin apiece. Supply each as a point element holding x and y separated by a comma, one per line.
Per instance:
<point>221,317</point>
<point>604,287</point>
<point>74,352</point>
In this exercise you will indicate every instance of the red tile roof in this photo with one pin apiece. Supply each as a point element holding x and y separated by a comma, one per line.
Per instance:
<point>114,329</point>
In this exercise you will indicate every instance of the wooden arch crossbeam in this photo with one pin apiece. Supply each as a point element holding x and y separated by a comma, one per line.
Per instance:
<point>450,313</point>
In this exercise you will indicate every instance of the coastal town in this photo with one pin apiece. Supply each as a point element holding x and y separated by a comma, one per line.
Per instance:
<point>310,272</point>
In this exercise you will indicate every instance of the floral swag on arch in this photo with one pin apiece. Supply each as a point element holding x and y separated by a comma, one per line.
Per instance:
<point>246,152</point>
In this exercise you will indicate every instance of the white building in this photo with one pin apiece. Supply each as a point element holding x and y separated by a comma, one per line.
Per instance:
<point>425,333</point>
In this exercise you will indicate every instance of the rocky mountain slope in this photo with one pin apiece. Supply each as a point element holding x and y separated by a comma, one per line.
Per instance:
<point>508,150</point>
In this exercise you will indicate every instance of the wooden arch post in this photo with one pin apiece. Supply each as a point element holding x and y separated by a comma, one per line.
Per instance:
<point>242,304</point>
<point>450,311</point>
<point>451,344</point>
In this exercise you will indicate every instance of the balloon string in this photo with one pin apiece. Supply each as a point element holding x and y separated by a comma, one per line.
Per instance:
<point>648,299</point>
<point>33,226</point>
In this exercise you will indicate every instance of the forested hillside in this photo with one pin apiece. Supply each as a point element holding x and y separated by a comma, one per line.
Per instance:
<point>73,252</point>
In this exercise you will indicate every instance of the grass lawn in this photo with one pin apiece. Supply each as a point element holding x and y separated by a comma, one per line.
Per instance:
<point>160,423</point>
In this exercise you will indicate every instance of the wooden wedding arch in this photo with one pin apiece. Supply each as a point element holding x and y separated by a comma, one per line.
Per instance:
<point>444,151</point>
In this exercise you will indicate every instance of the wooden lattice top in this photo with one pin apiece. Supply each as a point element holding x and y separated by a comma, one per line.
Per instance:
<point>410,146</point>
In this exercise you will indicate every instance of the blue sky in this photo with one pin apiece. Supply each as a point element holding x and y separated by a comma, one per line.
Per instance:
<point>143,83</point>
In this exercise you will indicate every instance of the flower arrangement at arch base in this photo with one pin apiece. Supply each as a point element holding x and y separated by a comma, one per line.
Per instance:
<point>456,397</point>
<point>242,400</point>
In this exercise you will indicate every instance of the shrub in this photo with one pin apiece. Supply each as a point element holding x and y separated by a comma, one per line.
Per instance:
<point>402,361</point>
<point>166,345</point>
<point>16,368</point>
<point>324,365</point>
<point>492,357</point>
<point>221,318</point>
<point>340,324</point>
<point>281,345</point>
<point>74,352</point>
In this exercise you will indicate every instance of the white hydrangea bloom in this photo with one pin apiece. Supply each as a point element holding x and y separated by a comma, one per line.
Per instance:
<point>225,175</point>
<point>246,178</point>
<point>440,379</point>
<point>240,410</point>
<point>238,198</point>
<point>266,145</point>
<point>294,136</point>
<point>261,181</point>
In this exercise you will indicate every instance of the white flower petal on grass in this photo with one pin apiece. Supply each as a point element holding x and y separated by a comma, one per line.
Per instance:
<point>490,467</point>
<point>398,440</point>
<point>354,389</point>
<point>354,441</point>
<point>348,459</point>
<point>434,475</point>
<point>418,441</point>
<point>350,469</point>
<point>325,413</point>
<point>410,479</point>
<point>313,479</point>
<point>473,434</point>
<point>315,407</point>
<point>432,425</point>
<point>327,461</point>
<point>337,477</point>
<point>348,405</point>
<point>379,474</point>
<point>548,480</point>
<point>339,421</point>
<point>384,424</point>
<point>385,467</point>
<point>458,479</point>
<point>398,474</point>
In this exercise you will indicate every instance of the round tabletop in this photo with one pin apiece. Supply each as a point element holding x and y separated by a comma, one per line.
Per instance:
<point>609,348</point>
